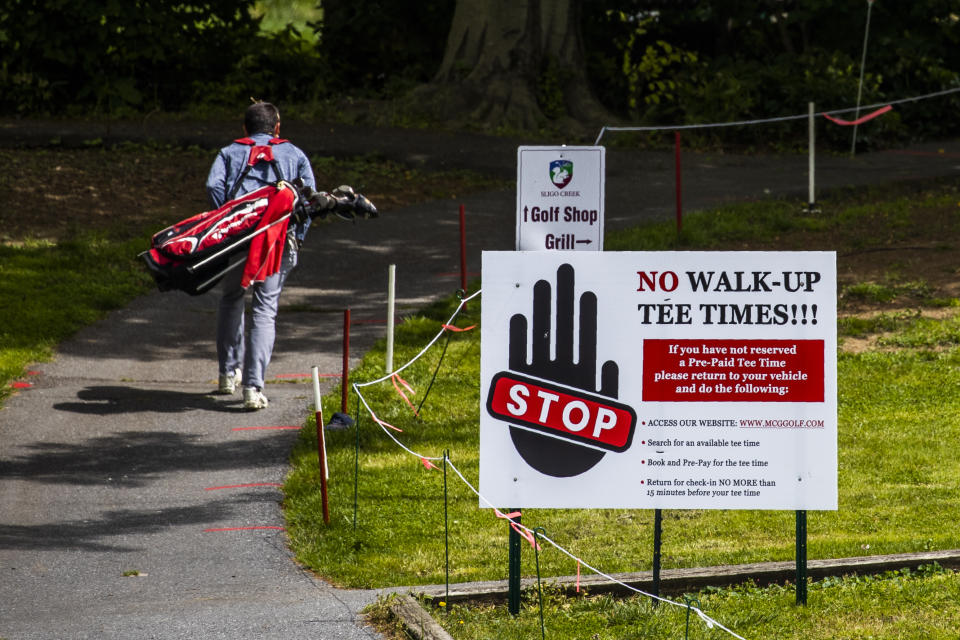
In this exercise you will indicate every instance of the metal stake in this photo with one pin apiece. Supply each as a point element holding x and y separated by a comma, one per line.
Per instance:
<point>356,465</point>
<point>536,554</point>
<point>513,567</point>
<point>801,557</point>
<point>446,526</point>
<point>657,534</point>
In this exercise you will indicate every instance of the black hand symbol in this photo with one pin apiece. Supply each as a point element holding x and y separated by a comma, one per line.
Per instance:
<point>581,374</point>
<point>549,455</point>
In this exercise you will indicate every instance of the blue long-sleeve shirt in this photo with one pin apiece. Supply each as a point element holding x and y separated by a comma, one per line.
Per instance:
<point>232,159</point>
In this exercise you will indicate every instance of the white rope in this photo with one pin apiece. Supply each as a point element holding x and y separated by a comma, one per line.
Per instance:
<point>740,123</point>
<point>710,622</point>
<point>425,349</point>
<point>390,435</point>
<point>373,416</point>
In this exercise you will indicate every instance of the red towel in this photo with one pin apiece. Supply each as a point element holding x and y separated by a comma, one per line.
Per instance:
<point>266,249</point>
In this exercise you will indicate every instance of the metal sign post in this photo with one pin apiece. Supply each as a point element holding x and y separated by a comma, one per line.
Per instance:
<point>513,564</point>
<point>801,557</point>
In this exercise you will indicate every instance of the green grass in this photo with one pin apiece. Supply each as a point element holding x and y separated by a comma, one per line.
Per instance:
<point>904,403</point>
<point>899,416</point>
<point>52,290</point>
<point>868,219</point>
<point>918,603</point>
<point>926,333</point>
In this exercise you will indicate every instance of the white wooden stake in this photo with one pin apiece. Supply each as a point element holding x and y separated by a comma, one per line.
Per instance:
<point>812,197</point>
<point>319,413</point>
<point>863,64</point>
<point>391,283</point>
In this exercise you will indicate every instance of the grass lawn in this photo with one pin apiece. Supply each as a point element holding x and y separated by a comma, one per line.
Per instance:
<point>899,479</point>
<point>903,604</point>
<point>73,259</point>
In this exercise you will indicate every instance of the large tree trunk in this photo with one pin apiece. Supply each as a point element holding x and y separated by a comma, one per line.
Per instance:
<point>497,51</point>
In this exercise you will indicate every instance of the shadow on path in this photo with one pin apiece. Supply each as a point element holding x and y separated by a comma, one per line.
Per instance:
<point>112,400</point>
<point>137,458</point>
<point>96,534</point>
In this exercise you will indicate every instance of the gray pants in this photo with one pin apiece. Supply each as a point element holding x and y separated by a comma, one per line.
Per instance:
<point>253,356</point>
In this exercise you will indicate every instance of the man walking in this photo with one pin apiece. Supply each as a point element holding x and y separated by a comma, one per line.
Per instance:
<point>244,362</point>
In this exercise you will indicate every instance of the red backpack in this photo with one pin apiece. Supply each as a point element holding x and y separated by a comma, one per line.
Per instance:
<point>258,154</point>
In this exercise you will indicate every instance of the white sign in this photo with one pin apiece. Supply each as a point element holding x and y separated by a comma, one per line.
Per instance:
<point>675,380</point>
<point>560,193</point>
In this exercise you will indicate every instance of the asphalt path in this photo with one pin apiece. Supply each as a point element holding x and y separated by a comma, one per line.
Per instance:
<point>117,458</point>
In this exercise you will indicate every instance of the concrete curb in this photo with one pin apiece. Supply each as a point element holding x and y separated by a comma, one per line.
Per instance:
<point>416,620</point>
<point>674,581</point>
<point>420,624</point>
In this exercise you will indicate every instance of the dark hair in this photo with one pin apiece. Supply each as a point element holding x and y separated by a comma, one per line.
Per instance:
<point>261,117</point>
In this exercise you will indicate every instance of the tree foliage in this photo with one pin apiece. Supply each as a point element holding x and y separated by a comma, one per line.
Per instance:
<point>649,61</point>
<point>382,46</point>
<point>106,54</point>
<point>722,60</point>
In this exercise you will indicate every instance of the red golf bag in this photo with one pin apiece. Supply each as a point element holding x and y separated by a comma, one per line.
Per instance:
<point>249,231</point>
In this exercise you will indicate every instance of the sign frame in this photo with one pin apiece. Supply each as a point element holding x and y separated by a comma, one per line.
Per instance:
<point>560,198</point>
<point>763,436</point>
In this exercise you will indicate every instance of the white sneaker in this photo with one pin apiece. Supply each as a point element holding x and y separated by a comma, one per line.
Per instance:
<point>229,382</point>
<point>253,399</point>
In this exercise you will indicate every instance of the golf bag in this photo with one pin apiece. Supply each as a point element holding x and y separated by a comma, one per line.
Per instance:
<point>250,232</point>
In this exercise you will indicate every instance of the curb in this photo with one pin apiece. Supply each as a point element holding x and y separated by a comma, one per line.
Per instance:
<point>420,624</point>
<point>417,622</point>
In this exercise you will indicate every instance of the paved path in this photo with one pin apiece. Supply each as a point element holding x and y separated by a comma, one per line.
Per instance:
<point>118,459</point>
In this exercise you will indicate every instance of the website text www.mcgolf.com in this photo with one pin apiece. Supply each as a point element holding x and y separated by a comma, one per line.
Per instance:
<point>743,423</point>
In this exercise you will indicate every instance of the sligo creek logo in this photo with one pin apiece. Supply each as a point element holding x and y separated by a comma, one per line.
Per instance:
<point>559,422</point>
<point>561,173</point>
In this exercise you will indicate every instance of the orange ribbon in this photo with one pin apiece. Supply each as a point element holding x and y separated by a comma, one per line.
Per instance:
<point>525,534</point>
<point>395,378</point>
<point>451,327</point>
<point>384,423</point>
<point>869,116</point>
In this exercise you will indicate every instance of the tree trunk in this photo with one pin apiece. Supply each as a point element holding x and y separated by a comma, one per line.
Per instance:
<point>496,53</point>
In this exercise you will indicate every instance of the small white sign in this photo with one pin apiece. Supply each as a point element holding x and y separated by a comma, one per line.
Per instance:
<point>675,380</point>
<point>560,192</point>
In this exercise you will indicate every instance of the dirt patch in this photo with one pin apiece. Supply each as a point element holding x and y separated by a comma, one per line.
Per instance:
<point>51,194</point>
<point>898,257</point>
<point>894,259</point>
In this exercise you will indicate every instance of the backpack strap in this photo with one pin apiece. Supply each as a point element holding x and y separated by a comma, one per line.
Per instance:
<point>258,153</point>
<point>251,142</point>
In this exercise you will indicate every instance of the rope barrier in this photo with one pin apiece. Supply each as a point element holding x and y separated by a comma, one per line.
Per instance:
<point>710,622</point>
<point>740,123</point>
<point>531,535</point>
<point>445,326</point>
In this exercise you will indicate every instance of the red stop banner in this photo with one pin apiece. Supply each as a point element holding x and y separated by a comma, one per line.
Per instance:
<point>562,412</point>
